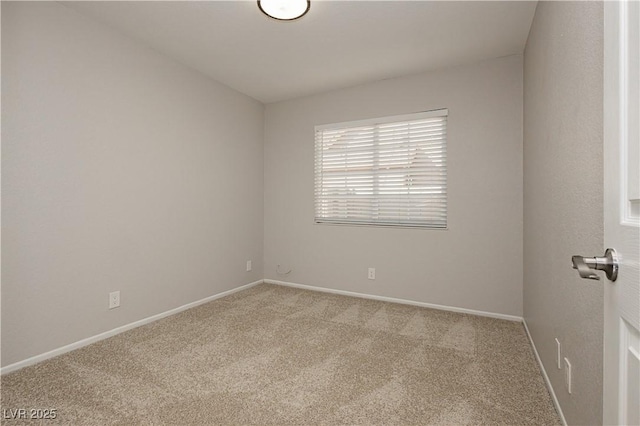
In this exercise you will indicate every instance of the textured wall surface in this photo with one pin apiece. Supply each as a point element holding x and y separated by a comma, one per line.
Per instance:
<point>121,170</point>
<point>563,196</point>
<point>477,262</point>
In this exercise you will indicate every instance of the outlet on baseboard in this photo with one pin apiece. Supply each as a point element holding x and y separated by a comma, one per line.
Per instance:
<point>558,356</point>
<point>248,265</point>
<point>567,374</point>
<point>372,273</point>
<point>114,299</point>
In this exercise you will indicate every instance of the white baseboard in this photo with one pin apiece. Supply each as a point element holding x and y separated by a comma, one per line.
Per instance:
<point>89,340</point>
<point>546,377</point>
<point>394,300</point>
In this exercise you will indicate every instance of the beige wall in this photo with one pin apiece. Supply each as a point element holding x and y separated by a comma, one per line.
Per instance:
<point>563,196</point>
<point>121,170</point>
<point>477,262</point>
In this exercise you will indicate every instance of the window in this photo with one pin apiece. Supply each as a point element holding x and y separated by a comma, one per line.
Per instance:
<point>390,171</point>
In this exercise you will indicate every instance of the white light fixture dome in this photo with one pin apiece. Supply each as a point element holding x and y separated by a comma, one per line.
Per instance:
<point>284,10</point>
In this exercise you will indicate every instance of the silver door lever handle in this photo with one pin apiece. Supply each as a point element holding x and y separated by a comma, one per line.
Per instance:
<point>587,265</point>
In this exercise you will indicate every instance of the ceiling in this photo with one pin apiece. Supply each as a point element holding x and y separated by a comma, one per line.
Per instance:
<point>337,44</point>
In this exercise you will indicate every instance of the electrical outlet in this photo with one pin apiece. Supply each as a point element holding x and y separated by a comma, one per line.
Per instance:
<point>558,356</point>
<point>372,273</point>
<point>114,299</point>
<point>248,265</point>
<point>567,374</point>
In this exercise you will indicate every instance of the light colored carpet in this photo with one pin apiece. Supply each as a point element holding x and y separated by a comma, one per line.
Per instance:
<point>278,355</point>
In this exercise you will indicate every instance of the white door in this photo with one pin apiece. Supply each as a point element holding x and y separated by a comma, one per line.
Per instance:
<point>622,211</point>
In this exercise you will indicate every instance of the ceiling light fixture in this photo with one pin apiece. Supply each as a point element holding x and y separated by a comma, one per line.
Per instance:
<point>284,10</point>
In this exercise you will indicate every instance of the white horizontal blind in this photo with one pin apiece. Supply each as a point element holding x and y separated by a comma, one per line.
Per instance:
<point>390,171</point>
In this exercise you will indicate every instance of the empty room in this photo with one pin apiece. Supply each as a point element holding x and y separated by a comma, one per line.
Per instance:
<point>320,212</point>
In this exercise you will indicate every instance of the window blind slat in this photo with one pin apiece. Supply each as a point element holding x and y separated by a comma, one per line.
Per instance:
<point>383,172</point>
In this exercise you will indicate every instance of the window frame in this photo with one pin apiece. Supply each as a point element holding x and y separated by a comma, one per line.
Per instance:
<point>423,115</point>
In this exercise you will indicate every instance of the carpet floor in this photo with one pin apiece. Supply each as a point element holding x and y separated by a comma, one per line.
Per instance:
<point>279,355</point>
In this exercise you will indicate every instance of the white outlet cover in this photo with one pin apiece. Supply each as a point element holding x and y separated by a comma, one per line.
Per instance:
<point>559,356</point>
<point>114,299</point>
<point>248,265</point>
<point>372,273</point>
